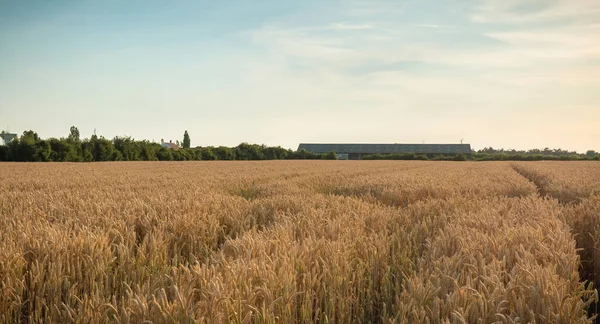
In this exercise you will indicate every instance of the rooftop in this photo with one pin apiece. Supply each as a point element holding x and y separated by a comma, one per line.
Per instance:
<point>386,148</point>
<point>171,146</point>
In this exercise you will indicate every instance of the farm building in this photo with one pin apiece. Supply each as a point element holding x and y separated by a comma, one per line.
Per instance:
<point>7,138</point>
<point>171,145</point>
<point>357,151</point>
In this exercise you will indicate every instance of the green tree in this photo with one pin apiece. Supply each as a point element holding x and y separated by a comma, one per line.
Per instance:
<point>186,140</point>
<point>183,155</point>
<point>148,150</point>
<point>101,148</point>
<point>164,154</point>
<point>208,154</point>
<point>128,147</point>
<point>4,155</point>
<point>330,156</point>
<point>459,157</point>
<point>246,151</point>
<point>25,149</point>
<point>74,134</point>
<point>224,153</point>
<point>44,151</point>
<point>13,150</point>
<point>87,156</point>
<point>63,151</point>
<point>274,152</point>
<point>590,154</point>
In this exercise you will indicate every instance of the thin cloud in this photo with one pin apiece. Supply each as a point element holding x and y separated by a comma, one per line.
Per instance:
<point>346,26</point>
<point>427,25</point>
<point>541,11</point>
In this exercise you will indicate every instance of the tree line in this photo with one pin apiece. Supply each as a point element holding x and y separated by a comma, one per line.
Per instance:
<point>546,154</point>
<point>490,154</point>
<point>30,147</point>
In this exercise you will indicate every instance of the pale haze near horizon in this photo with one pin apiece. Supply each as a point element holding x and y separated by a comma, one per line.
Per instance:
<point>506,74</point>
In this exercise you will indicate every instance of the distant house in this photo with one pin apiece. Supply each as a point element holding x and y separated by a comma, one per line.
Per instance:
<point>7,137</point>
<point>171,145</point>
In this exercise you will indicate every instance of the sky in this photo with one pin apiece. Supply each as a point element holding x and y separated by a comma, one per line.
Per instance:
<point>507,74</point>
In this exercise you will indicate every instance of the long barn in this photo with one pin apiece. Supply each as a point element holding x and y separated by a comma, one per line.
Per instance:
<point>357,151</point>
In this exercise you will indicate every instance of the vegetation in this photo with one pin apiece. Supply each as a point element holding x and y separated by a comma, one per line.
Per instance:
<point>485,155</point>
<point>299,242</point>
<point>491,154</point>
<point>31,148</point>
<point>186,140</point>
<point>402,156</point>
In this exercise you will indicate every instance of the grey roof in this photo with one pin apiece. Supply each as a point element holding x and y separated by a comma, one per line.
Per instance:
<point>387,148</point>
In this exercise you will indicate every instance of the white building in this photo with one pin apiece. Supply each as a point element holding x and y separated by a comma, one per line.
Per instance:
<point>7,137</point>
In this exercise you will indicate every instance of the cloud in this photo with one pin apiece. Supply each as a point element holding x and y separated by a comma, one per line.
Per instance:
<point>536,11</point>
<point>427,25</point>
<point>303,44</point>
<point>358,49</point>
<point>346,26</point>
<point>561,44</point>
<point>556,42</point>
<point>370,8</point>
<point>399,69</point>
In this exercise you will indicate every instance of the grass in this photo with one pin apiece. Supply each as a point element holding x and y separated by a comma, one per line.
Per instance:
<point>299,241</point>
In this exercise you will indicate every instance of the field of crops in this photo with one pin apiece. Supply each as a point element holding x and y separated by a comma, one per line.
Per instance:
<point>299,241</point>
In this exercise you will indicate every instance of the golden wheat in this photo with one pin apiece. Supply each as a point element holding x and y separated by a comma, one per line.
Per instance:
<point>298,241</point>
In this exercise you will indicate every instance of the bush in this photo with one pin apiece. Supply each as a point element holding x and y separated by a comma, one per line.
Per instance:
<point>164,154</point>
<point>330,156</point>
<point>396,156</point>
<point>442,157</point>
<point>3,153</point>
<point>208,154</point>
<point>459,157</point>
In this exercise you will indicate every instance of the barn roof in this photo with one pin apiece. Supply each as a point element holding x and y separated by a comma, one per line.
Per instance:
<point>387,148</point>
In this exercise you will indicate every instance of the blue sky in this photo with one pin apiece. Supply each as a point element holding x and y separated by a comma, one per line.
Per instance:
<point>512,74</point>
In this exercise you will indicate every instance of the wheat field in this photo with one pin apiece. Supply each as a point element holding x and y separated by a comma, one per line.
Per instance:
<point>300,242</point>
